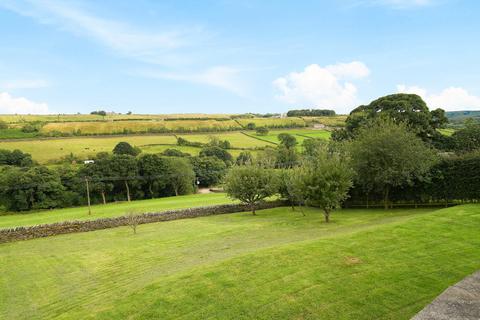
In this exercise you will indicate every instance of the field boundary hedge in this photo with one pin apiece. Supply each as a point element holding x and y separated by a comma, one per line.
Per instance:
<point>258,138</point>
<point>53,229</point>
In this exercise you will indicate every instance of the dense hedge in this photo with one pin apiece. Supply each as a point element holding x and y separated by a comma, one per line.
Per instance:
<point>456,178</point>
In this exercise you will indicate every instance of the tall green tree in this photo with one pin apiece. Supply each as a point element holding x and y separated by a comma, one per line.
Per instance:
<point>287,140</point>
<point>35,188</point>
<point>181,177</point>
<point>126,148</point>
<point>208,170</point>
<point>124,169</point>
<point>215,151</point>
<point>323,181</point>
<point>467,139</point>
<point>153,170</point>
<point>251,184</point>
<point>409,109</point>
<point>386,155</point>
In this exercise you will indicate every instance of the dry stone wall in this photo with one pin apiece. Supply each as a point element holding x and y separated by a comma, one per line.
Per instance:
<point>47,230</point>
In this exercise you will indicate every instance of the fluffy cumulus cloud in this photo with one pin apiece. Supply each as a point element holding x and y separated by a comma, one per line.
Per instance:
<point>20,105</point>
<point>452,98</point>
<point>322,87</point>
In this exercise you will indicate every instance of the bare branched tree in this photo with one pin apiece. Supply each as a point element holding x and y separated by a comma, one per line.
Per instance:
<point>133,220</point>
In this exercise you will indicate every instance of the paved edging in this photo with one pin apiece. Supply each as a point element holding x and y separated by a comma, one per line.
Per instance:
<point>459,302</point>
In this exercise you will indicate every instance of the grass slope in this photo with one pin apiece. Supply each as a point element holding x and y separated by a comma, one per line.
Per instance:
<point>113,209</point>
<point>366,264</point>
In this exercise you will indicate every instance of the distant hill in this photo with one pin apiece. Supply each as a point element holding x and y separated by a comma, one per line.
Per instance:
<point>461,116</point>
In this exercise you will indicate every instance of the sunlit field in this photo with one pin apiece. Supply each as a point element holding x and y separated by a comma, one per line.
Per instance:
<point>365,264</point>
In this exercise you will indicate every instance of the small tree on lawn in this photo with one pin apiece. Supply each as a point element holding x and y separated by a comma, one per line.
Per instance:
<point>251,184</point>
<point>323,182</point>
<point>133,220</point>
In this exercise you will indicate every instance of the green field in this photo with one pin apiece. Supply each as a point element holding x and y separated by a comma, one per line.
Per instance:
<point>365,264</point>
<point>299,134</point>
<point>236,139</point>
<point>112,209</point>
<point>49,150</point>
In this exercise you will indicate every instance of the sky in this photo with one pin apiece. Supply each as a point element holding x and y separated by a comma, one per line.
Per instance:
<point>235,56</point>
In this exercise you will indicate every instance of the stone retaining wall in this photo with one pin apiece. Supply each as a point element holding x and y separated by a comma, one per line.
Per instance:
<point>47,230</point>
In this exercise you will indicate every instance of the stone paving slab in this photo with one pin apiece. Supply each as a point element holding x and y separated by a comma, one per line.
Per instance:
<point>459,302</point>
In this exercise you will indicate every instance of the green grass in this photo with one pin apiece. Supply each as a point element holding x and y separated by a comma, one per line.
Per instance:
<point>299,134</point>
<point>50,150</point>
<point>366,264</point>
<point>236,139</point>
<point>15,133</point>
<point>447,131</point>
<point>112,209</point>
<point>47,150</point>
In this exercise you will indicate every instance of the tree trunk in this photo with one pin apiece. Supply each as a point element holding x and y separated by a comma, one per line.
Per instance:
<point>128,190</point>
<point>103,197</point>
<point>176,190</point>
<point>385,197</point>
<point>327,215</point>
<point>150,190</point>
<point>301,208</point>
<point>367,200</point>
<point>252,206</point>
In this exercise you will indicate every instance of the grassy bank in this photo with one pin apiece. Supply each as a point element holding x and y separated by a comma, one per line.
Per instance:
<point>112,209</point>
<point>366,264</point>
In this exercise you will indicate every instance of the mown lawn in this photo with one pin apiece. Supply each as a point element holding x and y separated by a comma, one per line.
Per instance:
<point>112,209</point>
<point>366,264</point>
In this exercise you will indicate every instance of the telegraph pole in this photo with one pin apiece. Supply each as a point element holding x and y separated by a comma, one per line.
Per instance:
<point>88,196</point>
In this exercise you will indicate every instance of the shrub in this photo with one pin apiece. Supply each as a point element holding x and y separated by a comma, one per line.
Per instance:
<point>261,131</point>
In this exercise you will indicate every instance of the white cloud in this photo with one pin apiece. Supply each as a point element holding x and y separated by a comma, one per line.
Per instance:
<point>24,84</point>
<point>20,105</point>
<point>223,77</point>
<point>452,98</point>
<point>322,87</point>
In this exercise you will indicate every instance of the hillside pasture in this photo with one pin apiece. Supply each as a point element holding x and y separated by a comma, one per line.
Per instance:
<point>119,127</point>
<point>365,264</point>
<point>331,121</point>
<point>21,118</point>
<point>52,149</point>
<point>236,139</point>
<point>299,134</point>
<point>47,150</point>
<point>274,122</point>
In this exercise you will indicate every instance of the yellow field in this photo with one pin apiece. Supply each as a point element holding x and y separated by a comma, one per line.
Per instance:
<point>118,127</point>
<point>274,122</point>
<point>14,118</point>
<point>334,121</point>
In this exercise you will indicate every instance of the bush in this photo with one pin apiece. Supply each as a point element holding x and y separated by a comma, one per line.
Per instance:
<point>261,131</point>
<point>174,153</point>
<point>126,148</point>
<point>213,151</point>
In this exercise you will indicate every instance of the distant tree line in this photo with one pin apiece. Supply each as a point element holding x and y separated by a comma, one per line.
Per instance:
<point>311,113</point>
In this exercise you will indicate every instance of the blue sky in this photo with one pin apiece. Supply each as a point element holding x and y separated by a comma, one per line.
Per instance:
<point>234,56</point>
